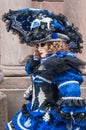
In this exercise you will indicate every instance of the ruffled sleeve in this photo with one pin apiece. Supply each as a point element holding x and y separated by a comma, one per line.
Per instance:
<point>65,73</point>
<point>55,66</point>
<point>72,108</point>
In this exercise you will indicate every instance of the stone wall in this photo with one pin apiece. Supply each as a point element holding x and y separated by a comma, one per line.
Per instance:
<point>3,111</point>
<point>76,13</point>
<point>54,6</point>
<point>11,50</point>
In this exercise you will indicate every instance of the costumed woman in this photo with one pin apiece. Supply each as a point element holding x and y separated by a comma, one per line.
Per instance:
<point>55,101</point>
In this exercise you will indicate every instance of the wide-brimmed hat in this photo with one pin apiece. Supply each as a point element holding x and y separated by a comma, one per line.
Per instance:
<point>42,26</point>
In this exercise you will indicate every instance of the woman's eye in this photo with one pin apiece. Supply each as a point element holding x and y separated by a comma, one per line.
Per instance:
<point>37,45</point>
<point>43,44</point>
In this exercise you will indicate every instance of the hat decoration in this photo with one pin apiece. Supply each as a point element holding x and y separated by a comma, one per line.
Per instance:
<point>41,26</point>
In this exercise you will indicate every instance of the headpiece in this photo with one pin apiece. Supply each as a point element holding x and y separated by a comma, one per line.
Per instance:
<point>41,26</point>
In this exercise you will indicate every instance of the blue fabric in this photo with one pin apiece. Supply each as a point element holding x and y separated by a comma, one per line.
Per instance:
<point>54,35</point>
<point>36,120</point>
<point>20,121</point>
<point>68,76</point>
<point>58,25</point>
<point>27,67</point>
<point>7,128</point>
<point>63,54</point>
<point>73,109</point>
<point>58,124</point>
<point>72,89</point>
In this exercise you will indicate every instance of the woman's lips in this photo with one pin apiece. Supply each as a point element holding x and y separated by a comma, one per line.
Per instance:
<point>40,53</point>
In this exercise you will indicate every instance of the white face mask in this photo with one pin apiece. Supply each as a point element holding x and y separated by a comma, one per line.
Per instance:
<point>43,49</point>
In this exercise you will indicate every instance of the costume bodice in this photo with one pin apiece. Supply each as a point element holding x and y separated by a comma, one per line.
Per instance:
<point>43,93</point>
<point>60,69</point>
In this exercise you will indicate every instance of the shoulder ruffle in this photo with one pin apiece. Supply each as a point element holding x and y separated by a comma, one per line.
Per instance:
<point>54,66</point>
<point>61,64</point>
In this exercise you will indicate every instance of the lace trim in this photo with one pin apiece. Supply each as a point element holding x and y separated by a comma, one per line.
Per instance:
<point>77,98</point>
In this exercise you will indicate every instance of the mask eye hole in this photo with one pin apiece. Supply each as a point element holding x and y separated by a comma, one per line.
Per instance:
<point>41,45</point>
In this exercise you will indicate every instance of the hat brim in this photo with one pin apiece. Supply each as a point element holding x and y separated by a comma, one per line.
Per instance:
<point>48,39</point>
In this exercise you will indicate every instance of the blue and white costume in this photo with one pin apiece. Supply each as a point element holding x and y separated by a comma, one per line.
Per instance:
<point>56,102</point>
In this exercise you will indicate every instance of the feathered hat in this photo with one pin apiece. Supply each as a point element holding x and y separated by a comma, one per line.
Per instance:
<point>41,26</point>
